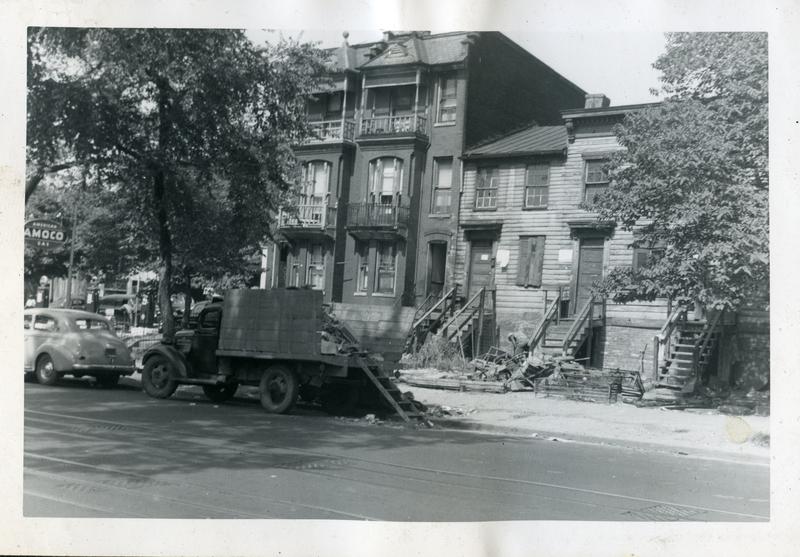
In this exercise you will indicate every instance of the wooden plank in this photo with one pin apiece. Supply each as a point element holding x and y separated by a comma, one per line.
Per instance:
<point>382,390</point>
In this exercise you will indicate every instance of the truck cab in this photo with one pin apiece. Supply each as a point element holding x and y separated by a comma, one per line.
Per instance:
<point>199,344</point>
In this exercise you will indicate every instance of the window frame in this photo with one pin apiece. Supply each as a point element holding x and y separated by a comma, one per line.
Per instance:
<point>493,186</point>
<point>312,267</point>
<point>543,198</point>
<point>379,270</point>
<point>45,319</point>
<point>362,267</point>
<point>597,186</point>
<point>437,188</point>
<point>446,105</point>
<point>653,252</point>
<point>377,176</point>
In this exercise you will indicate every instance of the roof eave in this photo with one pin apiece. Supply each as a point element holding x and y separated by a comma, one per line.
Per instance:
<point>514,154</point>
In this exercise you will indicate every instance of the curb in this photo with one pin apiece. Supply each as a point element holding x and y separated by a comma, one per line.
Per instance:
<point>674,450</point>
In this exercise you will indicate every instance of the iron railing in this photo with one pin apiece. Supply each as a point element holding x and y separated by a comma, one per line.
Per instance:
<point>381,125</point>
<point>376,215</point>
<point>332,131</point>
<point>309,216</point>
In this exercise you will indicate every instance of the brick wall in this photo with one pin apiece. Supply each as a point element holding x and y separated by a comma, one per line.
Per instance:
<point>622,348</point>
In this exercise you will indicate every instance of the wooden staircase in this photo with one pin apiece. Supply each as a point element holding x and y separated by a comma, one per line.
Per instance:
<point>466,326</point>
<point>563,336</point>
<point>690,350</point>
<point>391,394</point>
<point>429,317</point>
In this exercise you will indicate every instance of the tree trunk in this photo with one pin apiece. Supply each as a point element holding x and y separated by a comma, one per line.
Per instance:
<point>187,299</point>
<point>160,206</point>
<point>165,256</point>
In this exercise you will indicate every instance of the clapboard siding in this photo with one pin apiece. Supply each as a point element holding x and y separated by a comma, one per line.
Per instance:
<point>520,308</point>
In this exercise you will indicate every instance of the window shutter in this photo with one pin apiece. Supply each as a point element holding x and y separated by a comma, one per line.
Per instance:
<point>537,246</point>
<point>524,263</point>
<point>327,170</point>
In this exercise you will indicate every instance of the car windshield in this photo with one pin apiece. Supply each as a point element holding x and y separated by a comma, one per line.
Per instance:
<point>91,324</point>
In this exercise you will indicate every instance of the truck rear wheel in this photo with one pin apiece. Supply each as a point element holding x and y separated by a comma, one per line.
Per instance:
<point>278,389</point>
<point>157,378</point>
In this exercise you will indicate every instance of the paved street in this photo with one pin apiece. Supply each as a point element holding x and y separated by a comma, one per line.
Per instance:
<point>93,452</point>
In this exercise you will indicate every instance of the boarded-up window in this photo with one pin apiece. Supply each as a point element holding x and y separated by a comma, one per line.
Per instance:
<point>531,258</point>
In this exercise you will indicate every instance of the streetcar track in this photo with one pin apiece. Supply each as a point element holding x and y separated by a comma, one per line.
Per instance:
<point>182,484</point>
<point>245,448</point>
<point>317,469</point>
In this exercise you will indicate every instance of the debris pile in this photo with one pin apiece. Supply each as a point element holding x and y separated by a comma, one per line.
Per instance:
<point>335,337</point>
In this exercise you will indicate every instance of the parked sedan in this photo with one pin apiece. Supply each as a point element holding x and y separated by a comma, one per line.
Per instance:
<point>71,342</point>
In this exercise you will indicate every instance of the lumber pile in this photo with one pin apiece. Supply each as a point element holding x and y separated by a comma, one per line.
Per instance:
<point>586,385</point>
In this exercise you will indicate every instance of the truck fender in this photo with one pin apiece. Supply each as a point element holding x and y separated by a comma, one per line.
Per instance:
<point>178,361</point>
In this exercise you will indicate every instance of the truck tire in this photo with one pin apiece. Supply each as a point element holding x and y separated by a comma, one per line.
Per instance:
<point>278,389</point>
<point>46,373</point>
<point>157,378</point>
<point>220,393</point>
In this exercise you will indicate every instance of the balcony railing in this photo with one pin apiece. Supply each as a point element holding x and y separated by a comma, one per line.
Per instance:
<point>309,216</point>
<point>375,215</point>
<point>332,131</point>
<point>382,125</point>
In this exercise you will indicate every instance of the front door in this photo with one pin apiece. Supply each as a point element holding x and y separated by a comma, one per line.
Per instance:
<point>590,270</point>
<point>437,260</point>
<point>480,265</point>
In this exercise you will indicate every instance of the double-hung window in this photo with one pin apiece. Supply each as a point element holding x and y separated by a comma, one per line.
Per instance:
<point>537,185</point>
<point>446,111</point>
<point>486,188</point>
<point>595,179</point>
<point>442,184</point>
<point>315,187</point>
<point>315,269</point>
<point>385,277</point>
<point>646,254</point>
<point>385,180</point>
<point>362,255</point>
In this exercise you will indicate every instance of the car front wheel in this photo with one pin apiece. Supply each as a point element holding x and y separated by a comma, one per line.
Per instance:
<point>45,370</point>
<point>157,378</point>
<point>278,389</point>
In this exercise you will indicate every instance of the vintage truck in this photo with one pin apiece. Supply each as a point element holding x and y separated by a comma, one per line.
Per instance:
<point>283,342</point>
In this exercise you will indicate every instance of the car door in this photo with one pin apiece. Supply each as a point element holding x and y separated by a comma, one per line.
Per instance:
<point>29,350</point>
<point>43,330</point>
<point>204,341</point>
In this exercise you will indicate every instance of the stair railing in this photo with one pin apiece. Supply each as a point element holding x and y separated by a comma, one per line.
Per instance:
<point>582,320</point>
<point>550,316</point>
<point>702,341</point>
<point>446,303</point>
<point>663,340</point>
<point>463,315</point>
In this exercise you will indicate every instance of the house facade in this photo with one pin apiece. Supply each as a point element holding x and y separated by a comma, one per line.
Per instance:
<point>527,233</point>
<point>376,220</point>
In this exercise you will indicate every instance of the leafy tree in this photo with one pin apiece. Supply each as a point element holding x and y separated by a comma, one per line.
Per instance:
<point>189,129</point>
<point>693,178</point>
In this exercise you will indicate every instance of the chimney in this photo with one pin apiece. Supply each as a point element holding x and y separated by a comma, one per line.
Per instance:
<point>597,100</point>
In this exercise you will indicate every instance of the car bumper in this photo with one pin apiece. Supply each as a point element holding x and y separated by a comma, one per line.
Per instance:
<point>123,370</point>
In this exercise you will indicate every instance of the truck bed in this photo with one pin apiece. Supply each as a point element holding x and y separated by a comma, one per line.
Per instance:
<point>272,323</point>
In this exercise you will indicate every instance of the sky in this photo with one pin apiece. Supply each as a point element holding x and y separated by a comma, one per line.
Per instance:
<point>617,64</point>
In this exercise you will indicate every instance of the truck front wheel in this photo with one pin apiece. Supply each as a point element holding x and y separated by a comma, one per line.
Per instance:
<point>278,389</point>
<point>157,378</point>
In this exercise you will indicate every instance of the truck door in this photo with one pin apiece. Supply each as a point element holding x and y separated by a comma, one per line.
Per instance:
<point>204,342</point>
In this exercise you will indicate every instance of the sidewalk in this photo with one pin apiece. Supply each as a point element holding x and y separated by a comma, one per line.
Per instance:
<point>694,432</point>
